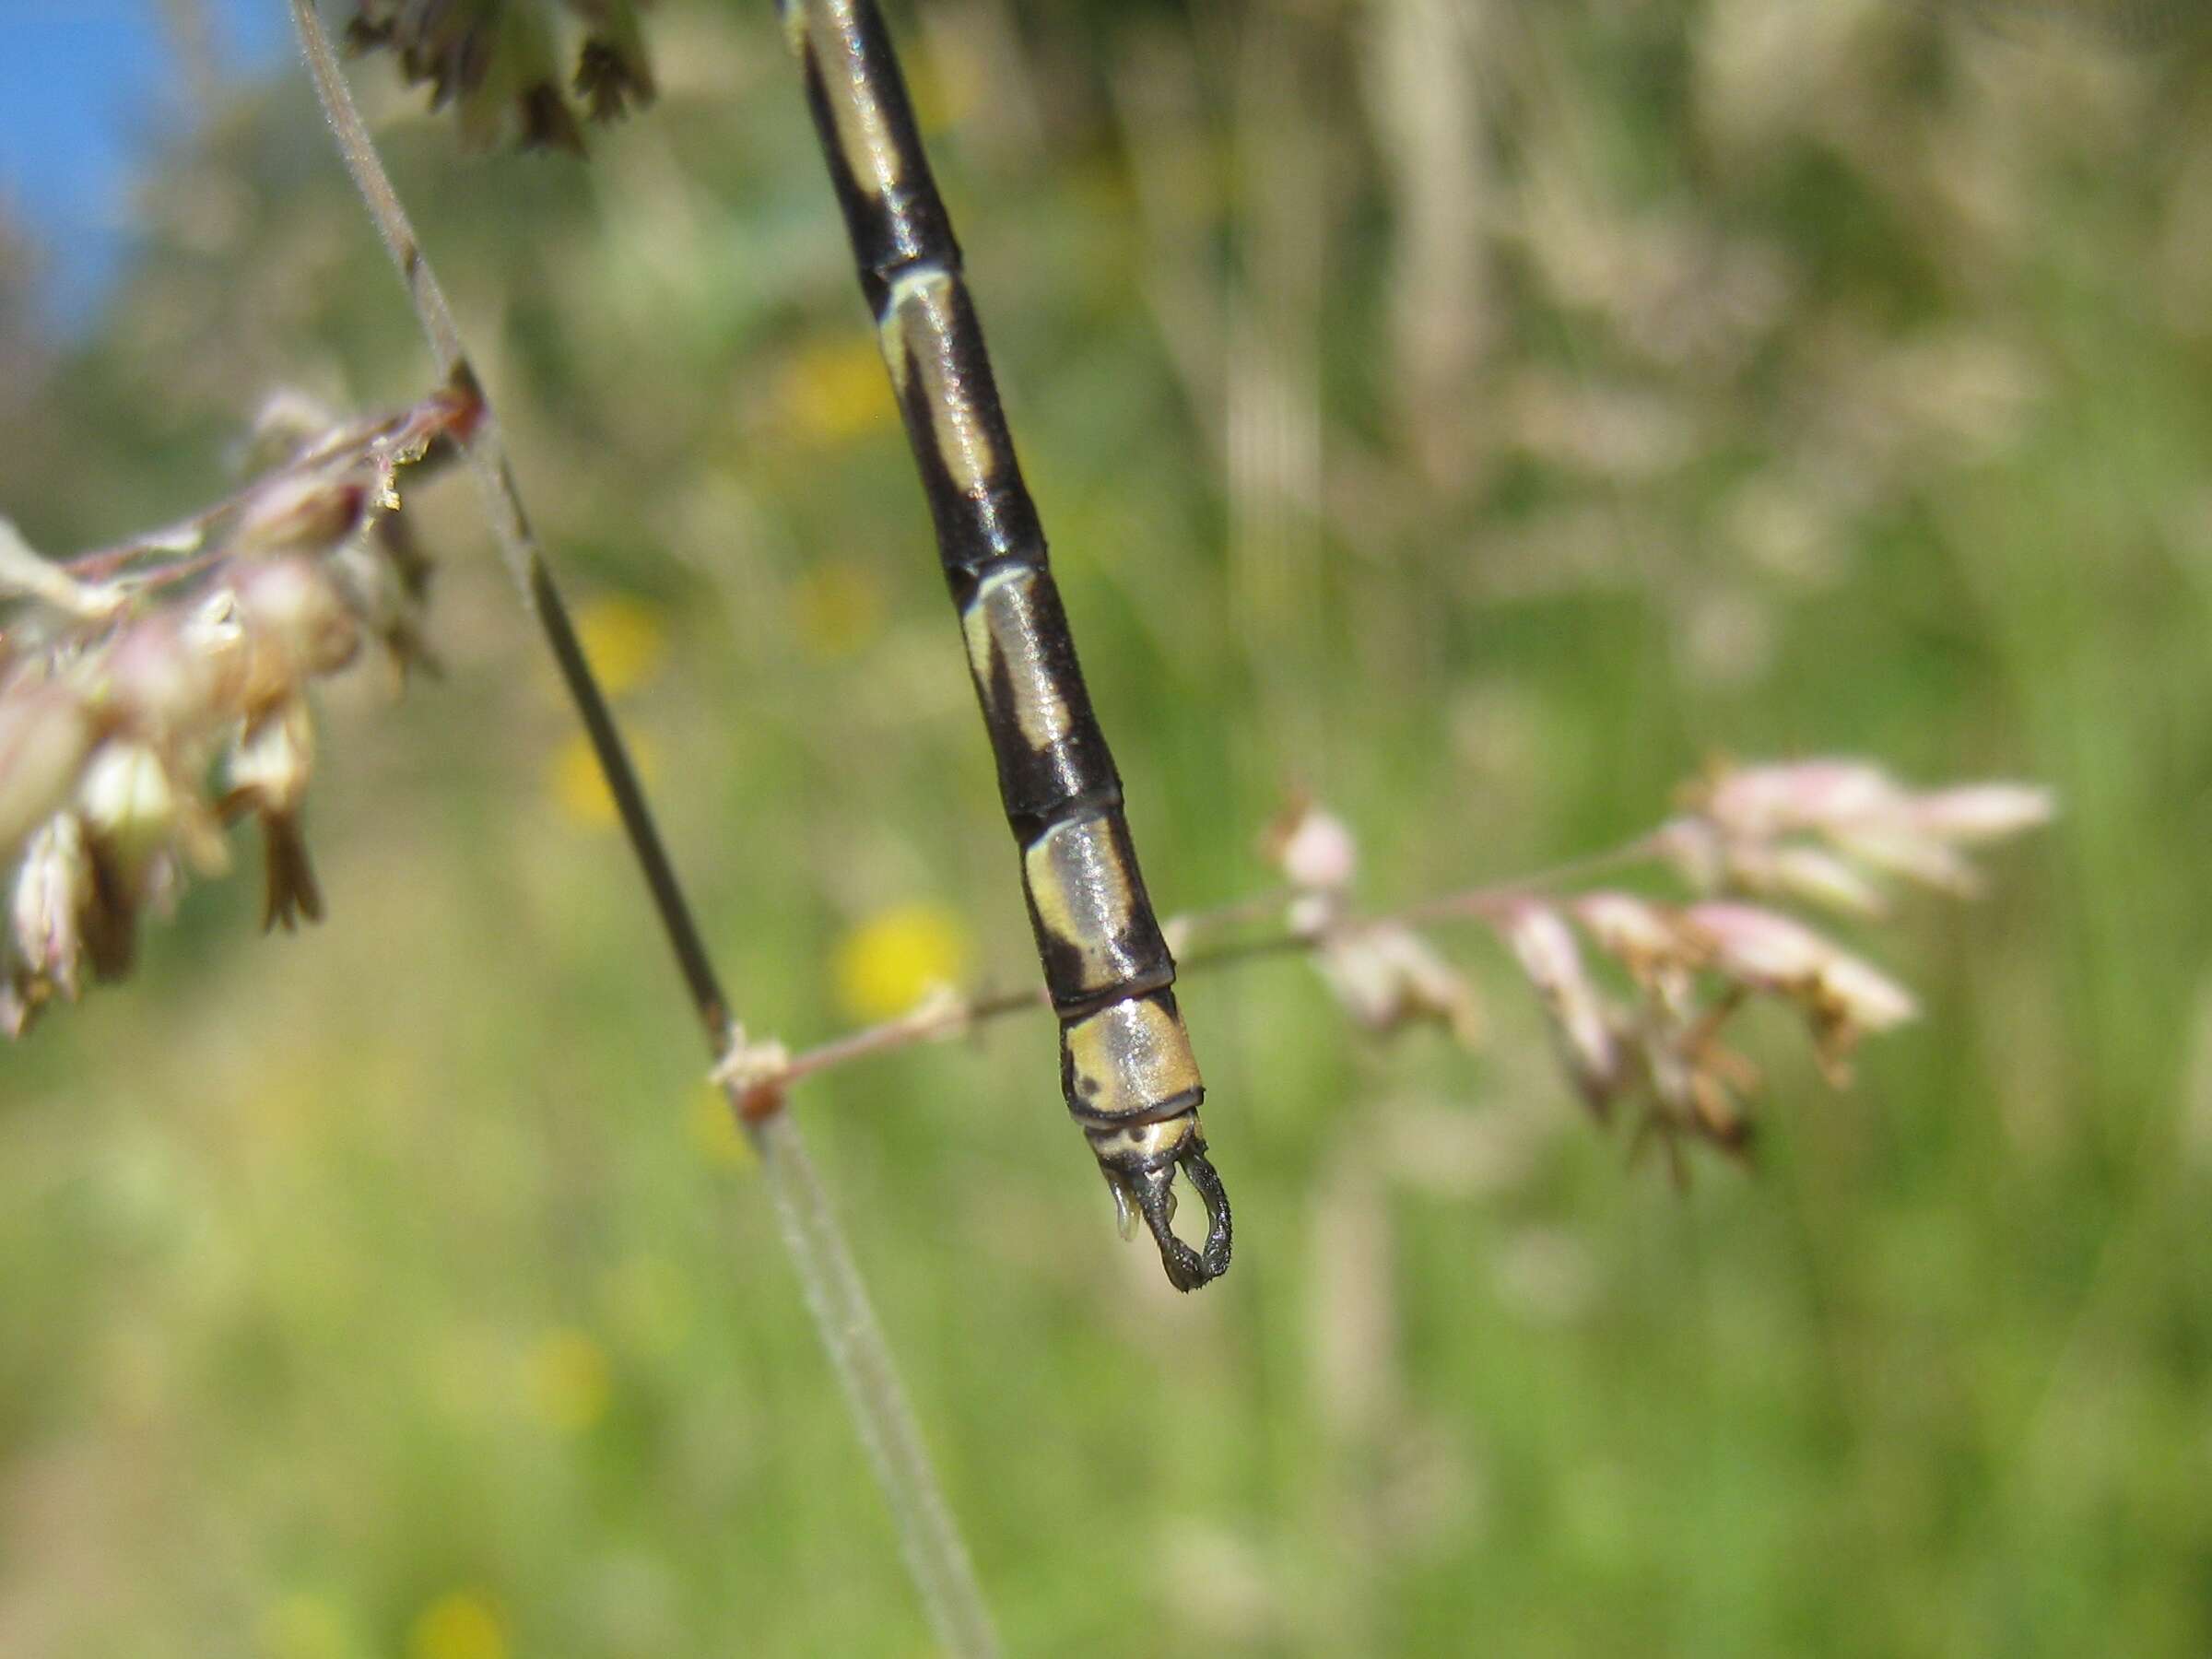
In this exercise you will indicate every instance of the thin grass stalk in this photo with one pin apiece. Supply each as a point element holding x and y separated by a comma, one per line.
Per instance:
<point>1280,934</point>
<point>929,1538</point>
<point>835,1294</point>
<point>1832,835</point>
<point>486,454</point>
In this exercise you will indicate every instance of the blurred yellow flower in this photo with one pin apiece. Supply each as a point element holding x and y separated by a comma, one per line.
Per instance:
<point>836,609</point>
<point>568,1383</point>
<point>623,638</point>
<point>714,1130</point>
<point>578,789</point>
<point>462,1624</point>
<point>834,390</point>
<point>302,1626</point>
<point>897,956</point>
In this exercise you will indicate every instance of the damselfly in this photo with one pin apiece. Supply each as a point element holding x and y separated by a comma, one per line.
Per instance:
<point>1127,1068</point>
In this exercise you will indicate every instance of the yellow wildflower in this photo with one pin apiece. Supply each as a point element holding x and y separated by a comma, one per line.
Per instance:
<point>462,1624</point>
<point>578,789</point>
<point>569,1387</point>
<point>623,638</point>
<point>896,957</point>
<point>835,390</point>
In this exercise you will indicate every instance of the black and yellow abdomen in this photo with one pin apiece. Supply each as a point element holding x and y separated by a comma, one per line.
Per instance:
<point>1127,1067</point>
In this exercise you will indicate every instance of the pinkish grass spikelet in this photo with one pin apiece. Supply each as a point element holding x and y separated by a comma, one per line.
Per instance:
<point>1976,814</point>
<point>1553,961</point>
<point>311,512</point>
<point>53,889</point>
<point>46,736</point>
<point>269,764</point>
<point>1651,940</point>
<point>1843,996</point>
<point>1638,1016</point>
<point>1315,851</point>
<point>1386,977</point>
<point>113,714</point>
<point>1383,974</point>
<point>1830,832</point>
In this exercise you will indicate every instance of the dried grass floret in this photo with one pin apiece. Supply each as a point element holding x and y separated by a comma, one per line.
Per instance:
<point>1584,1022</point>
<point>127,673</point>
<point>1639,991</point>
<point>497,61</point>
<point>1385,975</point>
<point>1835,834</point>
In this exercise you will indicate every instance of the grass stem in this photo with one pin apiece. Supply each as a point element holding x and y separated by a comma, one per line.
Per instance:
<point>835,1294</point>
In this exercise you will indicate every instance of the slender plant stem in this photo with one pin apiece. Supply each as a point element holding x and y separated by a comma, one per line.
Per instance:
<point>486,453</point>
<point>949,1015</point>
<point>930,1540</point>
<point>1485,904</point>
<point>928,1537</point>
<point>402,438</point>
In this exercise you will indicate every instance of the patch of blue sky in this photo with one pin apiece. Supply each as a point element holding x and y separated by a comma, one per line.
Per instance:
<point>88,89</point>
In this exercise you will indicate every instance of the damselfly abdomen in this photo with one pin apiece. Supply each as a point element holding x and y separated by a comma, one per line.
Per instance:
<point>1127,1068</point>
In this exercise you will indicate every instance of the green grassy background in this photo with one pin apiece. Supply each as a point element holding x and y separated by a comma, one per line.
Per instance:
<point>1755,379</point>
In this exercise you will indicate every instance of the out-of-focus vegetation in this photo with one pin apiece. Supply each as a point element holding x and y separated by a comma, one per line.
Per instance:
<point>1476,412</point>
